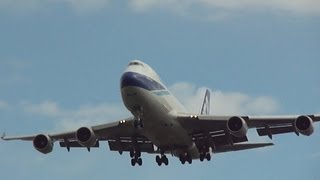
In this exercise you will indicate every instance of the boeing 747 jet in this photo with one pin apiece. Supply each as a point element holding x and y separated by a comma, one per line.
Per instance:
<point>161,125</point>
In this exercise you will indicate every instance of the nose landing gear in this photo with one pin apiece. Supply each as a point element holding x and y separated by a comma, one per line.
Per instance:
<point>138,123</point>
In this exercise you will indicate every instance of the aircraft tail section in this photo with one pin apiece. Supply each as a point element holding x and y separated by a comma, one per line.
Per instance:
<point>205,110</point>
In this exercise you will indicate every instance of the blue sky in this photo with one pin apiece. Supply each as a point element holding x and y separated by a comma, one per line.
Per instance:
<point>60,64</point>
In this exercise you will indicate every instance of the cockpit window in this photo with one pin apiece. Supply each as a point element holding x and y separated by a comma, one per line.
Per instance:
<point>135,63</point>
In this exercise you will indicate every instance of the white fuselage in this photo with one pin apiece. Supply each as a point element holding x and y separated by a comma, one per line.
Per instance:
<point>148,99</point>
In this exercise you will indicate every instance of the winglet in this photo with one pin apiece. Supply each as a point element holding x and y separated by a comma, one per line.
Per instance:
<point>3,136</point>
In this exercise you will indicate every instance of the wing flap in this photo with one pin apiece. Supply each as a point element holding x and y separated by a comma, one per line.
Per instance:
<point>240,147</point>
<point>269,131</point>
<point>123,146</point>
<point>75,144</point>
<point>218,138</point>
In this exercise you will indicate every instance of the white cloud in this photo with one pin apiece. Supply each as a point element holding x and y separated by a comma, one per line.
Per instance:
<point>45,108</point>
<point>219,7</point>
<point>68,119</point>
<point>3,105</point>
<point>87,5</point>
<point>224,103</point>
<point>79,6</point>
<point>194,8</point>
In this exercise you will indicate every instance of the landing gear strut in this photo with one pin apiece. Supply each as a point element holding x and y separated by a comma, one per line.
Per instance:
<point>138,123</point>
<point>138,111</point>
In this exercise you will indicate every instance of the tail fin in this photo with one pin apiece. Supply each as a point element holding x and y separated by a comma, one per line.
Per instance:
<point>205,110</point>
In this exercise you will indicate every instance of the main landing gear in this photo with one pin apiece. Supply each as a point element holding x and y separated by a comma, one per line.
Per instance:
<point>135,158</point>
<point>185,158</point>
<point>162,160</point>
<point>205,154</point>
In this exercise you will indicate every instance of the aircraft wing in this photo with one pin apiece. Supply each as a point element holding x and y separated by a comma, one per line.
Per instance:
<point>265,125</point>
<point>121,136</point>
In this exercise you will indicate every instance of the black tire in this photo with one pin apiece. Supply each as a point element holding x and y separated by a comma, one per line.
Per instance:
<point>131,153</point>
<point>158,160</point>
<point>139,161</point>
<point>189,159</point>
<point>208,157</point>
<point>182,159</point>
<point>166,161</point>
<point>138,154</point>
<point>133,162</point>
<point>202,157</point>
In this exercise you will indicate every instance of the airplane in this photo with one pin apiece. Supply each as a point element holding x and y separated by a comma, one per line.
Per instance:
<point>161,125</point>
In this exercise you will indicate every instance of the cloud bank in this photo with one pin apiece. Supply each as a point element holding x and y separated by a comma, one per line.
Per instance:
<point>293,6</point>
<point>181,7</point>
<point>3,105</point>
<point>224,103</point>
<point>68,119</point>
<point>78,6</point>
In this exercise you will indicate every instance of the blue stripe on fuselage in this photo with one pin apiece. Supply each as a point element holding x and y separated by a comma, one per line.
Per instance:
<point>141,81</point>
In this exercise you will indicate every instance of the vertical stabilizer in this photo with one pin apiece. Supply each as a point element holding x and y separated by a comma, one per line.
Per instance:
<point>205,110</point>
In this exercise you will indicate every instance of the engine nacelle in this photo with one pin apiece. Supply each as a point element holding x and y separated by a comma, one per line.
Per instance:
<point>43,143</point>
<point>237,126</point>
<point>304,125</point>
<point>86,137</point>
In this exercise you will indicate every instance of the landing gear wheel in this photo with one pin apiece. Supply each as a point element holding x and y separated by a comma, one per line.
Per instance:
<point>139,161</point>
<point>189,160</point>
<point>165,160</point>
<point>131,153</point>
<point>202,157</point>
<point>158,160</point>
<point>208,157</point>
<point>138,154</point>
<point>133,162</point>
<point>182,159</point>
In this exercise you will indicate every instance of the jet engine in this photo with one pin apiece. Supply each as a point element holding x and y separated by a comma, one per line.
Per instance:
<point>43,143</point>
<point>304,125</point>
<point>237,126</point>
<point>86,137</point>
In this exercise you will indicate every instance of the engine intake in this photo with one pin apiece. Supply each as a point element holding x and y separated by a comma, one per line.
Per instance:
<point>304,125</point>
<point>43,143</point>
<point>86,137</point>
<point>237,126</point>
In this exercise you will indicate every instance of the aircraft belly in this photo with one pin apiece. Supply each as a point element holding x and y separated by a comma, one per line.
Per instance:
<point>161,128</point>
